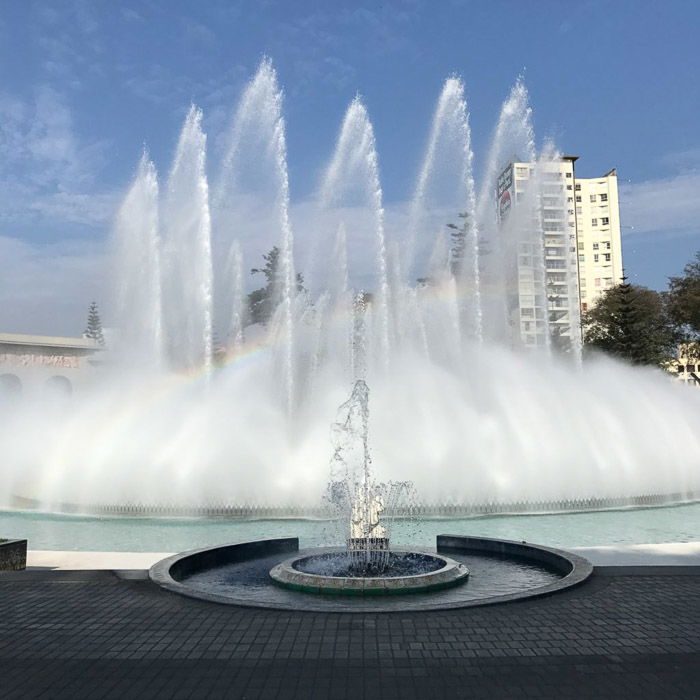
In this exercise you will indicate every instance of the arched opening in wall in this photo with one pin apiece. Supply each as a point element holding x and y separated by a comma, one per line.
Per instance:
<point>59,386</point>
<point>10,385</point>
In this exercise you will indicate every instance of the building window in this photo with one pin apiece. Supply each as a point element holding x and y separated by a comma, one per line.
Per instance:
<point>578,187</point>
<point>571,211</point>
<point>583,282</point>
<point>569,199</point>
<point>584,306</point>
<point>606,221</point>
<point>608,281</point>
<point>592,198</point>
<point>579,210</point>
<point>595,246</point>
<point>568,187</point>
<point>578,197</point>
<point>603,197</point>
<point>582,258</point>
<point>607,257</point>
<point>594,222</point>
<point>595,257</point>
<point>521,172</point>
<point>597,281</point>
<point>607,245</point>
<point>568,174</point>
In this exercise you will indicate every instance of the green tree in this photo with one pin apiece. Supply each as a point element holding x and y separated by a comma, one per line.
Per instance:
<point>261,302</point>
<point>458,238</point>
<point>94,325</point>
<point>684,301</point>
<point>632,323</point>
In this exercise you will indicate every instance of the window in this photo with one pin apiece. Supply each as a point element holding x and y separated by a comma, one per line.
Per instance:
<point>595,246</point>
<point>569,199</point>
<point>603,197</point>
<point>521,172</point>
<point>605,221</point>
<point>578,187</point>
<point>579,210</point>
<point>608,281</point>
<point>571,211</point>
<point>594,222</point>
<point>595,257</point>
<point>607,257</point>
<point>607,245</point>
<point>568,175</point>
<point>584,306</point>
<point>583,282</point>
<point>578,197</point>
<point>592,198</point>
<point>582,258</point>
<point>597,281</point>
<point>572,249</point>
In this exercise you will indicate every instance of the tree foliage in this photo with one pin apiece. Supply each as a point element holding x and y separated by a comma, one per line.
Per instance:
<point>633,323</point>
<point>262,301</point>
<point>94,325</point>
<point>684,300</point>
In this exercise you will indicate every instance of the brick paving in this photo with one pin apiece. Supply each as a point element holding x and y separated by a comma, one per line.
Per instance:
<point>94,635</point>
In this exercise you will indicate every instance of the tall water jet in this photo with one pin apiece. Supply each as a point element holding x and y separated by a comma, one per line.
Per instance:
<point>187,250</point>
<point>444,191</point>
<point>513,137</point>
<point>136,242</point>
<point>238,319</point>
<point>256,162</point>
<point>352,179</point>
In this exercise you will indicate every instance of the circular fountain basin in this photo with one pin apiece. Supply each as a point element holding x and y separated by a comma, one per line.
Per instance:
<point>406,572</point>
<point>500,571</point>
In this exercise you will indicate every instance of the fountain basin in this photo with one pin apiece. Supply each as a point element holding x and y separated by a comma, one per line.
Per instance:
<point>500,571</point>
<point>407,572</point>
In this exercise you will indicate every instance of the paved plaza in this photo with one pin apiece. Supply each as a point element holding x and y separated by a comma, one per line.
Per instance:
<point>626,633</point>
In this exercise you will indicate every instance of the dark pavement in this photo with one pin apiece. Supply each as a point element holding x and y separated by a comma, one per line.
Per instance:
<point>94,635</point>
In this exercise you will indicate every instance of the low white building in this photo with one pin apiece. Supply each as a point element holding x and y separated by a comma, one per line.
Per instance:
<point>35,364</point>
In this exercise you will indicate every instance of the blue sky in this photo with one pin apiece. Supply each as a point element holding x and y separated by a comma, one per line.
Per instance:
<point>84,84</point>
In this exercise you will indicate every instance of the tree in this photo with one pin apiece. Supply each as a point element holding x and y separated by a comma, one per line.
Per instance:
<point>458,237</point>
<point>261,302</point>
<point>632,323</point>
<point>94,325</point>
<point>684,301</point>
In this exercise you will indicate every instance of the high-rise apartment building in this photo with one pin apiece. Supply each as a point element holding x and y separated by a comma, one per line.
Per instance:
<point>598,235</point>
<point>565,246</point>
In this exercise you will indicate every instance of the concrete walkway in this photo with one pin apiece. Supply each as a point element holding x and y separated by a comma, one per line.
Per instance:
<point>72,635</point>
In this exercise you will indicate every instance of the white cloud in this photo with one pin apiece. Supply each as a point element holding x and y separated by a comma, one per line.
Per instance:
<point>665,206</point>
<point>46,170</point>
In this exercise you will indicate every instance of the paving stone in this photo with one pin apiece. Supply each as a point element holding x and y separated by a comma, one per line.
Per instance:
<point>94,635</point>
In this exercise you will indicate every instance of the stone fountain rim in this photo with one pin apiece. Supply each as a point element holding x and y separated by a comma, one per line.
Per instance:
<point>452,573</point>
<point>168,573</point>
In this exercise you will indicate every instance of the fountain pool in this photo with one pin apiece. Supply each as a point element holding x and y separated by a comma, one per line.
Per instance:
<point>48,531</point>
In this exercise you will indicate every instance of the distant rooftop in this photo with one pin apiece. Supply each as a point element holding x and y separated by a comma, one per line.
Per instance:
<point>50,341</point>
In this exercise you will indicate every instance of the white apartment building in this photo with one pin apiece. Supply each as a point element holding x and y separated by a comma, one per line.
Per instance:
<point>598,236</point>
<point>568,245</point>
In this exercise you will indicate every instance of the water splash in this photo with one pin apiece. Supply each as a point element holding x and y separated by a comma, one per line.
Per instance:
<point>353,172</point>
<point>187,253</point>
<point>137,272</point>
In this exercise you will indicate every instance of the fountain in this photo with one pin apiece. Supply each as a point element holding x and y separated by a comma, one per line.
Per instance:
<point>367,565</point>
<point>388,294</point>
